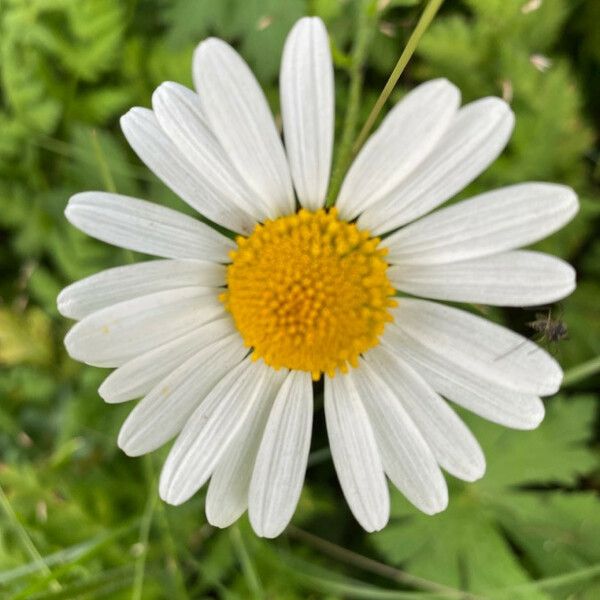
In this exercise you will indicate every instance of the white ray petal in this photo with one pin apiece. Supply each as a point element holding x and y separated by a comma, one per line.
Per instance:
<point>475,138</point>
<point>466,341</point>
<point>504,219</point>
<point>467,388</point>
<point>238,114</point>
<point>453,445</point>
<point>174,167</point>
<point>118,333</point>
<point>227,496</point>
<point>281,461</point>
<point>407,459</point>
<point>404,139</point>
<point>355,454</point>
<point>138,376</point>
<point>516,278</point>
<point>179,112</point>
<point>162,413</point>
<point>132,281</point>
<point>145,227</point>
<point>307,109</point>
<point>211,428</point>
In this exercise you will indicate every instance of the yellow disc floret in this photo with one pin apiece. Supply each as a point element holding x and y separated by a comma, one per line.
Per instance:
<point>309,292</point>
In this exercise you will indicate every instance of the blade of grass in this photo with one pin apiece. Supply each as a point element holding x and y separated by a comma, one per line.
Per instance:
<point>79,554</point>
<point>426,18</point>
<point>327,582</point>
<point>368,564</point>
<point>25,539</point>
<point>252,578</point>
<point>169,548</point>
<point>146,522</point>
<point>552,583</point>
<point>102,585</point>
<point>109,182</point>
<point>72,152</point>
<point>67,558</point>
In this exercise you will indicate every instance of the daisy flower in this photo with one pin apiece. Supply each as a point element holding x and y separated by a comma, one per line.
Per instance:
<point>223,337</point>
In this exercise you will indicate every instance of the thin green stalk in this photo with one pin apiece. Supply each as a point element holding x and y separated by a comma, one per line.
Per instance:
<point>72,557</point>
<point>146,522</point>
<point>103,585</point>
<point>365,26</point>
<point>581,372</point>
<point>26,541</point>
<point>72,152</point>
<point>550,583</point>
<point>243,555</point>
<point>426,18</point>
<point>109,182</point>
<point>169,547</point>
<point>372,566</point>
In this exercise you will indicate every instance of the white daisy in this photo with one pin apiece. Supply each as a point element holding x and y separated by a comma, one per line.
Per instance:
<point>223,338</point>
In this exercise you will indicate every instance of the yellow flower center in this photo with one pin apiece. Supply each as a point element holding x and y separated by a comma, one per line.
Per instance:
<point>309,292</point>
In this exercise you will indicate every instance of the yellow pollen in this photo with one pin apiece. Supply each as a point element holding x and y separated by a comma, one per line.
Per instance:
<point>309,292</point>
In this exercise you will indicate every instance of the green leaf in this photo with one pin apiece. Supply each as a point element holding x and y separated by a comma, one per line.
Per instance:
<point>466,545</point>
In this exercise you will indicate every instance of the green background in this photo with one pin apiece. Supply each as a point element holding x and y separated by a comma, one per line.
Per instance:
<point>78,519</point>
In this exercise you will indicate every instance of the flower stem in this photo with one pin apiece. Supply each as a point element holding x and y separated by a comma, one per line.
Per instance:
<point>581,372</point>
<point>372,566</point>
<point>426,18</point>
<point>252,578</point>
<point>365,26</point>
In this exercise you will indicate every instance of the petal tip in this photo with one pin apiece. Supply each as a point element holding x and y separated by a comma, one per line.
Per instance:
<point>105,392</point>
<point>268,531</point>
<point>126,442</point>
<point>476,470</point>
<point>63,303</point>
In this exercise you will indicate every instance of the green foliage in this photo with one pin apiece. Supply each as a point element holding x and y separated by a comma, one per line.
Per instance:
<point>522,520</point>
<point>78,519</point>
<point>260,27</point>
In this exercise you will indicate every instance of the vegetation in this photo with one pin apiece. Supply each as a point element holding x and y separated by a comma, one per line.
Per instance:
<point>78,519</point>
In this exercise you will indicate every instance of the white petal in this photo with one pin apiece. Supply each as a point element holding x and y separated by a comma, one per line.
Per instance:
<point>307,109</point>
<point>473,141</point>
<point>176,169</point>
<point>145,227</point>
<point>132,281</point>
<point>517,278</point>
<point>453,445</point>
<point>161,414</point>
<point>211,428</point>
<point>118,333</point>
<point>138,376</point>
<point>355,454</point>
<point>404,139</point>
<point>281,461</point>
<point>238,114</point>
<point>227,496</point>
<point>468,342</point>
<point>456,382</point>
<point>179,113</point>
<point>504,219</point>
<point>407,459</point>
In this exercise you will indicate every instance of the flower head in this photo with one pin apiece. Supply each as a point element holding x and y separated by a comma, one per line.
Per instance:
<point>222,337</point>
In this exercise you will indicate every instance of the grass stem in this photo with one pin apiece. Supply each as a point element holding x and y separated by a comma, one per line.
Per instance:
<point>426,18</point>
